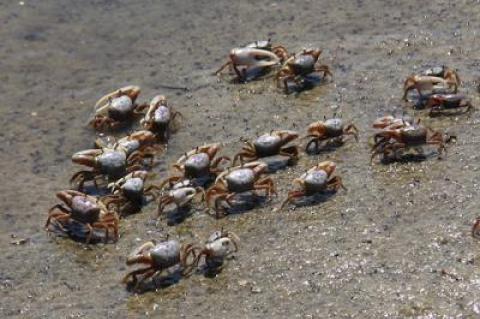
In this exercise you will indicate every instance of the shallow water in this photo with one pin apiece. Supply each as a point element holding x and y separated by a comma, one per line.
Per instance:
<point>396,244</point>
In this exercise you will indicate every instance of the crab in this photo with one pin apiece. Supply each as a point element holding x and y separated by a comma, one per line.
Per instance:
<point>159,257</point>
<point>139,144</point>
<point>330,130</point>
<point>117,107</point>
<point>300,65</point>
<point>390,141</point>
<point>127,190</point>
<point>112,163</point>
<point>199,164</point>
<point>236,180</point>
<point>438,103</point>
<point>316,180</point>
<point>218,247</point>
<point>160,117</point>
<point>249,57</point>
<point>181,195</point>
<point>446,79</point>
<point>84,209</point>
<point>269,144</point>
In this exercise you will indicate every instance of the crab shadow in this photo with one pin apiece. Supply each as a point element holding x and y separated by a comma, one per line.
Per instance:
<point>176,216</point>
<point>245,202</point>
<point>404,159</point>
<point>324,147</point>
<point>315,199</point>
<point>78,232</point>
<point>251,75</point>
<point>157,282</point>
<point>309,82</point>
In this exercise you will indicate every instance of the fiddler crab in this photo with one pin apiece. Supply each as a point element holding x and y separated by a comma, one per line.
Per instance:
<point>439,77</point>
<point>181,195</point>
<point>85,210</point>
<point>112,163</point>
<point>273,143</point>
<point>199,164</point>
<point>390,141</point>
<point>159,257</point>
<point>117,107</point>
<point>316,180</point>
<point>252,56</point>
<point>219,246</point>
<point>329,130</point>
<point>160,117</point>
<point>129,189</point>
<point>236,180</point>
<point>439,103</point>
<point>139,144</point>
<point>298,66</point>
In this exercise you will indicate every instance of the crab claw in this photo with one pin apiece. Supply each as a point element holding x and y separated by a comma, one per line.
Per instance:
<point>86,157</point>
<point>253,57</point>
<point>143,136</point>
<point>328,166</point>
<point>67,196</point>
<point>132,91</point>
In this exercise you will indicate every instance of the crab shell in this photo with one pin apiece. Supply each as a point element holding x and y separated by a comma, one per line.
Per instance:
<point>270,144</point>
<point>112,163</point>
<point>435,71</point>
<point>129,146</point>
<point>414,135</point>
<point>166,254</point>
<point>303,64</point>
<point>240,180</point>
<point>197,165</point>
<point>84,209</point>
<point>120,108</point>
<point>314,181</point>
<point>334,127</point>
<point>220,247</point>
<point>161,116</point>
<point>133,189</point>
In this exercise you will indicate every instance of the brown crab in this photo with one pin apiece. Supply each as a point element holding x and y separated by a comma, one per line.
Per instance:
<point>200,163</point>
<point>390,122</point>
<point>160,117</point>
<point>316,180</point>
<point>331,130</point>
<point>240,179</point>
<point>159,257</point>
<point>300,65</point>
<point>128,192</point>
<point>273,143</point>
<point>137,145</point>
<point>218,247</point>
<point>181,195</point>
<point>84,209</point>
<point>390,141</point>
<point>117,107</point>
<point>447,79</point>
<point>439,103</point>
<point>110,163</point>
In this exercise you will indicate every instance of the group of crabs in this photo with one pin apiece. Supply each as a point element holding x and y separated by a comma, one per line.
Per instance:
<point>122,164</point>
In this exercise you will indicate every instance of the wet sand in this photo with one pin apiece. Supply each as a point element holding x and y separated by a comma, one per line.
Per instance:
<point>396,244</point>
